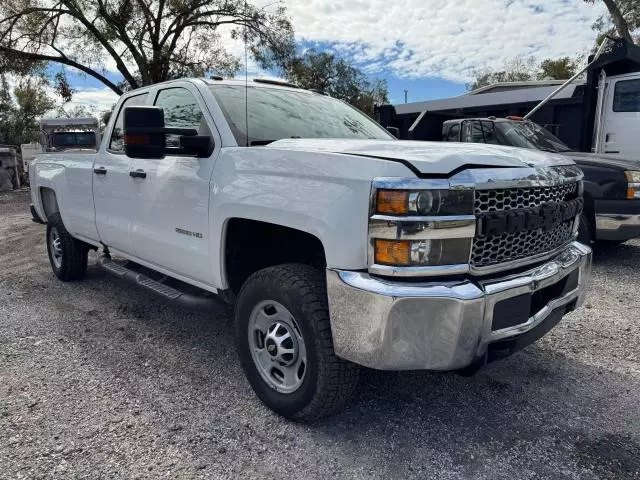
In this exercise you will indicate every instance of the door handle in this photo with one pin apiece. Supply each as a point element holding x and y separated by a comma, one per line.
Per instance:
<point>138,174</point>
<point>100,171</point>
<point>606,137</point>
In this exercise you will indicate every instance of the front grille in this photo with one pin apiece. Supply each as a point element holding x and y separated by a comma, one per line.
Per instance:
<point>513,198</point>
<point>505,247</point>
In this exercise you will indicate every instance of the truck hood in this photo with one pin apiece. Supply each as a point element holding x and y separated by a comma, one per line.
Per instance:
<point>599,160</point>
<point>436,158</point>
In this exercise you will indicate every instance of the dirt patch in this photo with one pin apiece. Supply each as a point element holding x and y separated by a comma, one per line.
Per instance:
<point>99,379</point>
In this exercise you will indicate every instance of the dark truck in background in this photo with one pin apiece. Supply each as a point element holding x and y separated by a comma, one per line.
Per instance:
<point>611,184</point>
<point>599,113</point>
<point>595,122</point>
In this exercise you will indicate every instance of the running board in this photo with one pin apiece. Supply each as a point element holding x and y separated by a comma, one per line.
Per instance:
<point>170,293</point>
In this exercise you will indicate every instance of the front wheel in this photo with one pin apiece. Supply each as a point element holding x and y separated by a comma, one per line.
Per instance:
<point>68,256</point>
<point>285,345</point>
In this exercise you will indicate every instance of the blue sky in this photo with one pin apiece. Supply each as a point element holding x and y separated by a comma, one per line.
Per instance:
<point>429,47</point>
<point>87,87</point>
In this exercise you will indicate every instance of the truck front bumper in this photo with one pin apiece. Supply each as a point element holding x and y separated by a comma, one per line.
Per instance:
<point>451,325</point>
<point>617,220</point>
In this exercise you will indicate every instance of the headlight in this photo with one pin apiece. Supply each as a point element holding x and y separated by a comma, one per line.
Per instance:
<point>406,253</point>
<point>420,227</point>
<point>423,202</point>
<point>633,185</point>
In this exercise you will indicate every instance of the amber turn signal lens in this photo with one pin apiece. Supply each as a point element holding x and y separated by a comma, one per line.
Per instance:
<point>130,139</point>
<point>392,202</point>
<point>633,187</point>
<point>392,252</point>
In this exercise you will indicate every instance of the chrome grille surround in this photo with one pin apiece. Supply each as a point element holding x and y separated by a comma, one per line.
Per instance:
<point>567,177</point>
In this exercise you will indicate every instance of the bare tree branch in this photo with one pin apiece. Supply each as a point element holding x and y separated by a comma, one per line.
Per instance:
<point>148,41</point>
<point>65,61</point>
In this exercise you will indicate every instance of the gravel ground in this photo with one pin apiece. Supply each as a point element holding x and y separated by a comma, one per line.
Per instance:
<point>99,379</point>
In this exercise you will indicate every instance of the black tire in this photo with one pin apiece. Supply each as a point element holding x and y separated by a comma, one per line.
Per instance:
<point>71,262</point>
<point>328,382</point>
<point>585,230</point>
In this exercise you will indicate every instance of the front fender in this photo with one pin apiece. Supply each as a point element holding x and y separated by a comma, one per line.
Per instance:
<point>321,194</point>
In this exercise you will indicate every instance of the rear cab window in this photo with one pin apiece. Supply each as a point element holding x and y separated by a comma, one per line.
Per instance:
<point>454,133</point>
<point>480,131</point>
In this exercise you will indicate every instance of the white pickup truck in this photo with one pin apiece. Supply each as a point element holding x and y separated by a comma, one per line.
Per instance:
<point>339,245</point>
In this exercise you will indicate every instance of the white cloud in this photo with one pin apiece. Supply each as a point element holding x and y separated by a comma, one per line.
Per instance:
<point>435,38</point>
<point>443,38</point>
<point>95,98</point>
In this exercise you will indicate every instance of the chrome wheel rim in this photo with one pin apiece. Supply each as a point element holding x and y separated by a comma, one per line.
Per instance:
<point>277,347</point>
<point>55,244</point>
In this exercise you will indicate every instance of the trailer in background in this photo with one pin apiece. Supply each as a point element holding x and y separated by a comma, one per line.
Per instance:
<point>64,134</point>
<point>600,114</point>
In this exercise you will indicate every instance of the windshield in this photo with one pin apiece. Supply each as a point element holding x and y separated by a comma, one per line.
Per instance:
<point>74,139</point>
<point>276,113</point>
<point>529,135</point>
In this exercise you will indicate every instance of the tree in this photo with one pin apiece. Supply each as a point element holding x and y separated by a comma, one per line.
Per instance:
<point>337,77</point>
<point>105,115</point>
<point>623,19</point>
<point>7,110</point>
<point>75,111</point>
<point>524,70</point>
<point>148,41</point>
<point>18,119</point>
<point>518,69</point>
<point>559,69</point>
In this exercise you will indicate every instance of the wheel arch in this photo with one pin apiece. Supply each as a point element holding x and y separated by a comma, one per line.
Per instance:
<point>250,245</point>
<point>48,202</point>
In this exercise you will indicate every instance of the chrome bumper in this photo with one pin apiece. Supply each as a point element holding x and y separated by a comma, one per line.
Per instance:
<point>612,226</point>
<point>392,325</point>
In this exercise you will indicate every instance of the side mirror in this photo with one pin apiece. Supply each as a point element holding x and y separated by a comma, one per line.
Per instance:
<point>144,135</point>
<point>395,131</point>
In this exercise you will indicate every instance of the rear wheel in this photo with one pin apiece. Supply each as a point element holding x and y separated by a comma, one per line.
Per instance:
<point>68,256</point>
<point>285,345</point>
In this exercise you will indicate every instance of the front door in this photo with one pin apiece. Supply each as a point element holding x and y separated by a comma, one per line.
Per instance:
<point>171,195</point>
<point>112,186</point>
<point>622,117</point>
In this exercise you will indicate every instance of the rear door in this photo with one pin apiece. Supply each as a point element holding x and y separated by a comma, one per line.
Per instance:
<point>621,122</point>
<point>171,201</point>
<point>113,188</point>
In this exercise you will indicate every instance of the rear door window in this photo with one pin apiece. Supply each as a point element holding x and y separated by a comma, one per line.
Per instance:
<point>477,131</point>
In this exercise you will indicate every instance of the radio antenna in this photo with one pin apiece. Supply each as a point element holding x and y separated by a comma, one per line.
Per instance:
<point>246,77</point>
